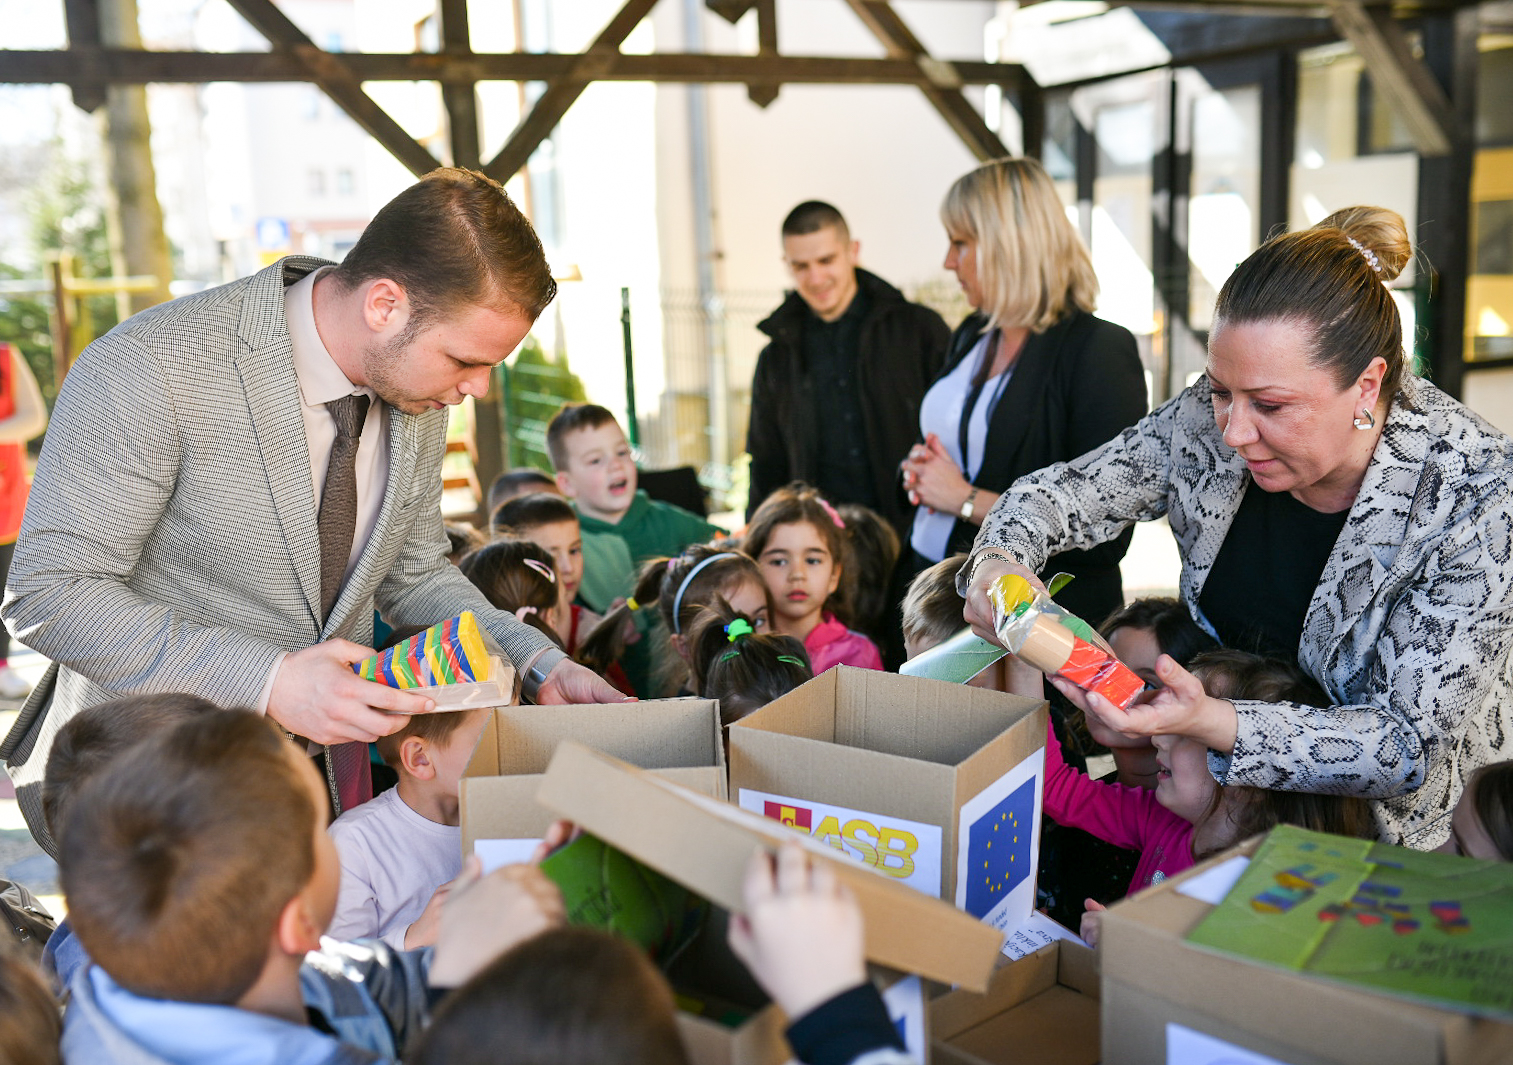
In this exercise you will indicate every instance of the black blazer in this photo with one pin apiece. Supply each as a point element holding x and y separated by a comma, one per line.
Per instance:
<point>1075,387</point>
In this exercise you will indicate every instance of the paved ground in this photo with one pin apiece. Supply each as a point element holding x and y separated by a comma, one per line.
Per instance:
<point>1150,568</point>
<point>21,859</point>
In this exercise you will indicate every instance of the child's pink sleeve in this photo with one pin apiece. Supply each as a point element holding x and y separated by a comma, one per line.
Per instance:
<point>1114,813</point>
<point>866,655</point>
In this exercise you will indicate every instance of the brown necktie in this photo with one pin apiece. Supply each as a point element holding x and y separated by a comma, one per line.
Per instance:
<point>347,769</point>
<point>338,500</point>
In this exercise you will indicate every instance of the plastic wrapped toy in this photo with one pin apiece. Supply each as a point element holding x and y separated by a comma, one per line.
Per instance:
<point>455,663</point>
<point>1055,642</point>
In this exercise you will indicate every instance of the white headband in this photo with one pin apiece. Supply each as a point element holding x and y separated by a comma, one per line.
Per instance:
<point>677,600</point>
<point>1367,252</point>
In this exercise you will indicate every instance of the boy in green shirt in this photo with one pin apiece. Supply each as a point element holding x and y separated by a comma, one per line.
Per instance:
<point>595,470</point>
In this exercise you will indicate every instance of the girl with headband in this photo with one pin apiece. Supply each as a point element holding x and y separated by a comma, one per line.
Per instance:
<point>675,590</point>
<point>799,541</point>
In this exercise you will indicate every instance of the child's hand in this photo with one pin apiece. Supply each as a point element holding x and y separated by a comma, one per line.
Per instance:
<point>422,930</point>
<point>558,835</point>
<point>1090,921</point>
<point>485,916</point>
<point>801,935</point>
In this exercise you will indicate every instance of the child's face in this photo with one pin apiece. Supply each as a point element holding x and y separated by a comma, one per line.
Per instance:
<point>1468,836</point>
<point>1183,783</point>
<point>750,598</point>
<point>452,755</point>
<point>600,475</point>
<point>564,542</point>
<point>1137,649</point>
<point>799,571</point>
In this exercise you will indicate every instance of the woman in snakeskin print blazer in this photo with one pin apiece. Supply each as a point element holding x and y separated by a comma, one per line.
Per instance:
<point>1406,618</point>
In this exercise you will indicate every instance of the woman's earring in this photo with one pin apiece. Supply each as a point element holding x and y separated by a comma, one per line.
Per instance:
<point>1364,420</point>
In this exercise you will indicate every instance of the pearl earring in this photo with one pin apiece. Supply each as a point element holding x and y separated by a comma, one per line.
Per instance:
<point>1364,420</point>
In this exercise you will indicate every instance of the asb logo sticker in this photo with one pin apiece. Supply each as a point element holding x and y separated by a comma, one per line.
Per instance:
<point>907,850</point>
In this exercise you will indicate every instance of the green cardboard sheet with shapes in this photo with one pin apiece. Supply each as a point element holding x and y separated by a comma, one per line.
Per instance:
<point>1432,927</point>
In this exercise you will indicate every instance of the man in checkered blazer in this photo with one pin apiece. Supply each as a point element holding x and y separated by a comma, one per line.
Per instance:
<point>171,541</point>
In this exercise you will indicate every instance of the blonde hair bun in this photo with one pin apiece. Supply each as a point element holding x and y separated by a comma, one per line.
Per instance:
<point>1380,230</point>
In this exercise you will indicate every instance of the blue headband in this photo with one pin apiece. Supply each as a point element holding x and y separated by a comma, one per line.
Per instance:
<point>677,600</point>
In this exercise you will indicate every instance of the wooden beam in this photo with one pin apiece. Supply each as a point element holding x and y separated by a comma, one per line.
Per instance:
<point>337,80</point>
<point>562,94</point>
<point>943,85</point>
<point>459,94</point>
<point>763,93</point>
<point>1402,80</point>
<point>83,21</point>
<point>730,10</point>
<point>125,66</point>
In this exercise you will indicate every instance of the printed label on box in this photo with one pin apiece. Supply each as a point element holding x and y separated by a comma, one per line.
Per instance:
<point>908,850</point>
<point>1187,1047</point>
<point>998,844</point>
<point>905,1002</point>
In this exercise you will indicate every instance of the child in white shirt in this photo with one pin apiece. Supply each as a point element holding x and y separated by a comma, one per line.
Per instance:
<point>401,850</point>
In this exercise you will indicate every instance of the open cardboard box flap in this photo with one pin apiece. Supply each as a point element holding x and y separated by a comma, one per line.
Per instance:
<point>705,845</point>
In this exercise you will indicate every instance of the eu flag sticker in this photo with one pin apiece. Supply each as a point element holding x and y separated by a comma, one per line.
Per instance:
<point>998,845</point>
<point>998,850</point>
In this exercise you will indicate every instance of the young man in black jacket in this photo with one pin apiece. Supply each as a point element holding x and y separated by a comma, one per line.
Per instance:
<point>835,400</point>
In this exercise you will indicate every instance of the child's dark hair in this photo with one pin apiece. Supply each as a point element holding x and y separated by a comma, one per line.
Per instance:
<point>513,574</point>
<point>463,538</point>
<point>799,503</point>
<point>1168,620</point>
<point>95,737</point>
<point>569,419</point>
<point>932,605</point>
<point>743,669</point>
<point>178,857</point>
<point>685,584</point>
<point>518,516</point>
<point>1491,789</point>
<point>565,997</point>
<point>1230,674</point>
<point>517,482</point>
<point>30,1024</point>
<point>867,582</point>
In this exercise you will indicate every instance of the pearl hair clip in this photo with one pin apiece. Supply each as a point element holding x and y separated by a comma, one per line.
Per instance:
<point>1367,252</point>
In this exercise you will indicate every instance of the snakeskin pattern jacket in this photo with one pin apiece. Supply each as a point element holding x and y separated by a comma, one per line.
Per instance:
<point>1408,631</point>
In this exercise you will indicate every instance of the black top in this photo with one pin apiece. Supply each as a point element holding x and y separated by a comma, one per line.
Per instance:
<point>831,352</point>
<point>1258,592</point>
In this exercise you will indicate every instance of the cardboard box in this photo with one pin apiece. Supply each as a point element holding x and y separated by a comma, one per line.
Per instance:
<point>1042,1008</point>
<point>907,766</point>
<point>705,845</point>
<point>1159,991</point>
<point>678,738</point>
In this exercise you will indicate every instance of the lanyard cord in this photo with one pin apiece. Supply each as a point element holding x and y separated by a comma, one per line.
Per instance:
<point>979,382</point>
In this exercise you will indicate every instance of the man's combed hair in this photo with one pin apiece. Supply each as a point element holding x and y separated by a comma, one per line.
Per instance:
<point>178,858</point>
<point>571,418</point>
<point>811,216</point>
<point>453,239</point>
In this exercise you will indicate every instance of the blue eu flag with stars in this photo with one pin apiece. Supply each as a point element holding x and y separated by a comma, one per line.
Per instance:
<point>998,849</point>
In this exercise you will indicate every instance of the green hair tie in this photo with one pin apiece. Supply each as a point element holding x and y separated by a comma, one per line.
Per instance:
<point>738,628</point>
<point>791,660</point>
<point>728,655</point>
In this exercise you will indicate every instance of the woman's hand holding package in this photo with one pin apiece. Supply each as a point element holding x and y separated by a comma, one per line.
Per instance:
<point>1179,708</point>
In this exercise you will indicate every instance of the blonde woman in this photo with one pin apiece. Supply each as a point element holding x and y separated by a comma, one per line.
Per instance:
<point>1031,378</point>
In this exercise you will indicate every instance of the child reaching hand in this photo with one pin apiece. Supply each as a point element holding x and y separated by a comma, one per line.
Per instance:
<point>1189,815</point>
<point>1482,824</point>
<point>400,850</point>
<point>799,541</point>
